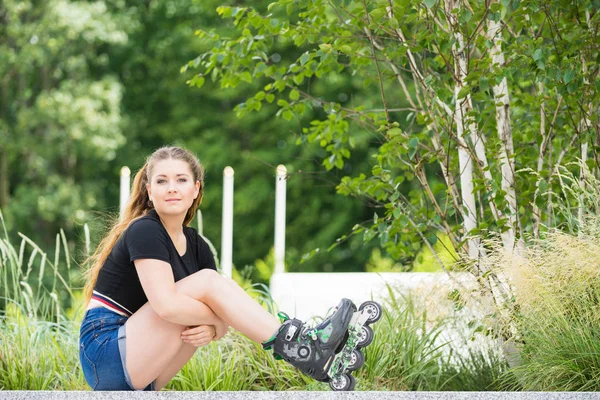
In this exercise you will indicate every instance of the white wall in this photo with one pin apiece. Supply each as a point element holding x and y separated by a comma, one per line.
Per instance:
<point>306,295</point>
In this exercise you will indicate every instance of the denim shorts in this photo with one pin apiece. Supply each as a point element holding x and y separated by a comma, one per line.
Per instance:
<point>102,350</point>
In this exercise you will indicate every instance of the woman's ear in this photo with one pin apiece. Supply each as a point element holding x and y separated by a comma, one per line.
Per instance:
<point>198,186</point>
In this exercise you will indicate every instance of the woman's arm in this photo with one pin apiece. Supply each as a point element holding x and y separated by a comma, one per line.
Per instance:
<point>158,283</point>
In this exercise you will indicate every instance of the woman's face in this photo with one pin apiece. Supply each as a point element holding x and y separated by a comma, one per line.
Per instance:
<point>172,187</point>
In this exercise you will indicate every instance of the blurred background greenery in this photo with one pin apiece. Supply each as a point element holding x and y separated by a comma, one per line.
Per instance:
<point>88,87</point>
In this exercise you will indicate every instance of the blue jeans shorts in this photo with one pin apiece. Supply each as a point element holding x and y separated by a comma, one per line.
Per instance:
<point>102,350</point>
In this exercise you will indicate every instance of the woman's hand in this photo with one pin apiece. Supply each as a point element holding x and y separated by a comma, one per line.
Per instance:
<point>199,335</point>
<point>221,329</point>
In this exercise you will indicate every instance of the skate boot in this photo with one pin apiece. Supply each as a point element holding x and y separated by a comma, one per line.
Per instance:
<point>312,350</point>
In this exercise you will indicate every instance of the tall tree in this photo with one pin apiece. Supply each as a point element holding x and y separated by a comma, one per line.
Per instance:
<point>458,84</point>
<point>58,109</point>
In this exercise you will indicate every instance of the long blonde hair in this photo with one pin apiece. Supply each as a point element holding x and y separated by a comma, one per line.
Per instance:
<point>139,206</point>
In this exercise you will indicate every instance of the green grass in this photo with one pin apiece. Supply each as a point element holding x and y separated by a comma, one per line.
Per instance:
<point>38,355</point>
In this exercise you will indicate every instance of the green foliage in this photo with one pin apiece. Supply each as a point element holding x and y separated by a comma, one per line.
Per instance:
<point>60,116</point>
<point>429,261</point>
<point>32,280</point>
<point>412,354</point>
<point>39,308</point>
<point>403,64</point>
<point>115,94</point>
<point>379,263</point>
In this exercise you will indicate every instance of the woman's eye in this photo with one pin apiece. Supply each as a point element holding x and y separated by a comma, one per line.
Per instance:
<point>164,180</point>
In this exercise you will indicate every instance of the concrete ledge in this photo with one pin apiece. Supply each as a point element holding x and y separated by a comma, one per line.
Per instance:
<point>76,395</point>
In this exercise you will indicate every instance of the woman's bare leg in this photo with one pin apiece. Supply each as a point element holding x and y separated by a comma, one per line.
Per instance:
<point>231,303</point>
<point>186,352</point>
<point>154,343</point>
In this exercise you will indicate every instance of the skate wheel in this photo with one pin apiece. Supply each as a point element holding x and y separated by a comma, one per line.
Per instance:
<point>357,360</point>
<point>373,309</point>
<point>365,337</point>
<point>343,383</point>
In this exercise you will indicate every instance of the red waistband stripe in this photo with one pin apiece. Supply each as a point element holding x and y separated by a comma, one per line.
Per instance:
<point>110,304</point>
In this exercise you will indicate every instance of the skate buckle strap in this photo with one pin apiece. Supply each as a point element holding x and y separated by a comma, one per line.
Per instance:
<point>318,346</point>
<point>268,345</point>
<point>312,334</point>
<point>292,329</point>
<point>283,316</point>
<point>289,335</point>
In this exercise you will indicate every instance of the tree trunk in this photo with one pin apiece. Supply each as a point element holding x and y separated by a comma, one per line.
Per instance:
<point>466,105</point>
<point>585,125</point>
<point>504,128</point>
<point>498,284</point>
<point>582,186</point>
<point>537,212</point>
<point>464,154</point>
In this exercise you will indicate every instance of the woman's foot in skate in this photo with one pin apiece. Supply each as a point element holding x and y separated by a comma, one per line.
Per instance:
<point>312,350</point>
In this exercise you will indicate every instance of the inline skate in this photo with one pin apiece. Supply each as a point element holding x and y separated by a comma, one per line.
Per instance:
<point>330,351</point>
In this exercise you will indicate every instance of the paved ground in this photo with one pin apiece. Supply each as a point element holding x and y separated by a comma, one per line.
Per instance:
<point>24,395</point>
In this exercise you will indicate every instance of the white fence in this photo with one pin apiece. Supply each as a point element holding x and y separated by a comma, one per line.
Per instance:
<point>304,295</point>
<point>227,218</point>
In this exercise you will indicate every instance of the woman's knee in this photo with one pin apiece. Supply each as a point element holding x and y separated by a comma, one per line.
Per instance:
<point>207,278</point>
<point>199,284</point>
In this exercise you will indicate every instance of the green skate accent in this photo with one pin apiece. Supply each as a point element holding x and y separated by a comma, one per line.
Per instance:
<point>316,333</point>
<point>342,359</point>
<point>282,316</point>
<point>267,344</point>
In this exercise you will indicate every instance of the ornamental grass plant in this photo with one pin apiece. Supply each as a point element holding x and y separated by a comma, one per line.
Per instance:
<point>557,314</point>
<point>37,354</point>
<point>39,319</point>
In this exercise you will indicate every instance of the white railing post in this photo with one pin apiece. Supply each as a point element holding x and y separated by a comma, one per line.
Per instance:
<point>124,190</point>
<point>227,223</point>
<point>280,186</point>
<point>200,222</point>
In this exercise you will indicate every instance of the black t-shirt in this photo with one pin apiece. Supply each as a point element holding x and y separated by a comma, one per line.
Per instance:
<point>118,286</point>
